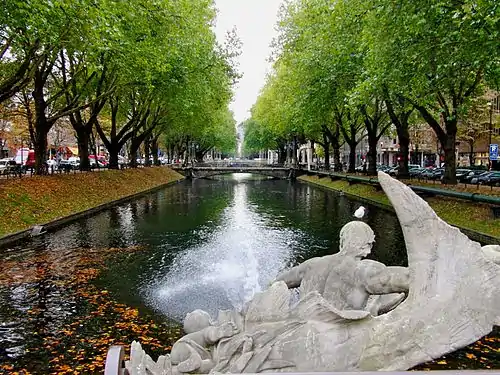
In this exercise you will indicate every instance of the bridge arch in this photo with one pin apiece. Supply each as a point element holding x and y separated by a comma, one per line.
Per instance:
<point>206,172</point>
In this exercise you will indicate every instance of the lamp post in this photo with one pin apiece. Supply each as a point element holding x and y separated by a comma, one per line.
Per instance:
<point>490,130</point>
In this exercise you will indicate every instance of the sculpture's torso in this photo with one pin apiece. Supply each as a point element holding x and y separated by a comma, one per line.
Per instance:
<point>339,279</point>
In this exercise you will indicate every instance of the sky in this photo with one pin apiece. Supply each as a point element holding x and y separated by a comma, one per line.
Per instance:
<point>255,22</point>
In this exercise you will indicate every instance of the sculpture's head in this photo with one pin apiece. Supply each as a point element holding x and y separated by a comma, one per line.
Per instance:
<point>196,321</point>
<point>356,239</point>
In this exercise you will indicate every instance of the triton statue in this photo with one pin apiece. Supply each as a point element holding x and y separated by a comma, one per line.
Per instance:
<point>352,314</point>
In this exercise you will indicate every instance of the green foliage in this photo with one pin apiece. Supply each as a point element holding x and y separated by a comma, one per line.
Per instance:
<point>158,60</point>
<point>335,58</point>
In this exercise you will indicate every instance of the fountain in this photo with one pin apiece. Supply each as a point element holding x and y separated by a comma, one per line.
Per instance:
<point>352,314</point>
<point>249,253</point>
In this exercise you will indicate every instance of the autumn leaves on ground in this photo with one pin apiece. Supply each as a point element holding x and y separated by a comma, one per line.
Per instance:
<point>65,323</point>
<point>68,324</point>
<point>36,200</point>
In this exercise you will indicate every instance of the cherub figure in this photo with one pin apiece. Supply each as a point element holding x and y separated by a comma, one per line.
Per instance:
<point>190,354</point>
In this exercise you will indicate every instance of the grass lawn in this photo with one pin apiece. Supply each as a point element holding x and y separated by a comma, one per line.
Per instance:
<point>25,202</point>
<point>465,214</point>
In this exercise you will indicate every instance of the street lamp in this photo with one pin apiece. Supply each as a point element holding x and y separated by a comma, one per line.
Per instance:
<point>490,130</point>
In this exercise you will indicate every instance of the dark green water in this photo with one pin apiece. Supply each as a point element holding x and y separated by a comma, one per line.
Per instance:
<point>209,244</point>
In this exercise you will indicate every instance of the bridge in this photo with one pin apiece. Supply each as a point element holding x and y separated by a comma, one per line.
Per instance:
<point>218,169</point>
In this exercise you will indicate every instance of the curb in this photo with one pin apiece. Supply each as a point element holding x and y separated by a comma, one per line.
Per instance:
<point>473,235</point>
<point>9,239</point>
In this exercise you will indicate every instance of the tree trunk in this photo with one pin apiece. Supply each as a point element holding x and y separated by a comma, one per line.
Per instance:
<point>147,153</point>
<point>294,151</point>
<point>281,155</point>
<point>40,148</point>
<point>471,153</point>
<point>154,151</point>
<point>113,158</point>
<point>199,155</point>
<point>288,154</point>
<point>450,160</point>
<point>447,138</point>
<point>334,138</point>
<point>400,121</point>
<point>42,126</point>
<point>404,147</point>
<point>352,157</point>
<point>186,153</point>
<point>337,164</point>
<point>326,148</point>
<point>372,155</point>
<point>133,154</point>
<point>82,137</point>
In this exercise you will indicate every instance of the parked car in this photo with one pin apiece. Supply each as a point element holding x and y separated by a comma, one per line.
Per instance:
<point>478,179</point>
<point>122,161</point>
<point>9,166</point>
<point>461,174</point>
<point>394,171</point>
<point>494,179</point>
<point>101,161</point>
<point>25,158</point>
<point>467,179</point>
<point>383,168</point>
<point>72,163</point>
<point>416,172</point>
<point>52,165</point>
<point>432,174</point>
<point>488,178</point>
<point>4,165</point>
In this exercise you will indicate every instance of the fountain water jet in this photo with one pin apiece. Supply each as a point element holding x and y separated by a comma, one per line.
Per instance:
<point>238,260</point>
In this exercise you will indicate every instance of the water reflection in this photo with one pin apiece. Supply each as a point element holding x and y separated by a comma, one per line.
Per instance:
<point>207,244</point>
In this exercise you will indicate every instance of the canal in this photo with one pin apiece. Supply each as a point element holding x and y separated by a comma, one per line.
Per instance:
<point>133,272</point>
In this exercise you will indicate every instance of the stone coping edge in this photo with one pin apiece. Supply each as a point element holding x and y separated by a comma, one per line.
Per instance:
<point>11,238</point>
<point>474,235</point>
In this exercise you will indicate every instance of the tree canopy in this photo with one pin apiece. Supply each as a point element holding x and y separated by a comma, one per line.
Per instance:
<point>142,67</point>
<point>350,68</point>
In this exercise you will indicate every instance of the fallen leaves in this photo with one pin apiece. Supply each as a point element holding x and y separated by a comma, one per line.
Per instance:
<point>483,354</point>
<point>79,344</point>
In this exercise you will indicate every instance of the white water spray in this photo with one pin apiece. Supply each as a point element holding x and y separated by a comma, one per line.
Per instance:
<point>241,257</point>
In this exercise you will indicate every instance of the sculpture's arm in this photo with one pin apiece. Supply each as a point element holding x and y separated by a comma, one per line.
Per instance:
<point>293,277</point>
<point>213,334</point>
<point>380,279</point>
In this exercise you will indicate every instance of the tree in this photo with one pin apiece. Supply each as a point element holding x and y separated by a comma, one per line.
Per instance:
<point>437,56</point>
<point>399,111</point>
<point>24,26</point>
<point>474,126</point>
<point>376,123</point>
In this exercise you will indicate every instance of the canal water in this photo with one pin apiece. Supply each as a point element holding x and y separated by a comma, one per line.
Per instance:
<point>204,244</point>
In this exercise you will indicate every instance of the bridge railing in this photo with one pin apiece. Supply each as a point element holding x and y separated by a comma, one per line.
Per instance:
<point>235,164</point>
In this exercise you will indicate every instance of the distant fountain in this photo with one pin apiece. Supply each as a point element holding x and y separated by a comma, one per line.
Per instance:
<point>240,259</point>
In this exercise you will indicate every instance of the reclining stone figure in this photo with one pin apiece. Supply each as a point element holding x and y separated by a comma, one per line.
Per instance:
<point>346,280</point>
<point>190,354</point>
<point>452,300</point>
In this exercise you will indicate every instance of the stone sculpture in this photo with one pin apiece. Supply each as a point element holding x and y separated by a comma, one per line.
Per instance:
<point>349,316</point>
<point>347,281</point>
